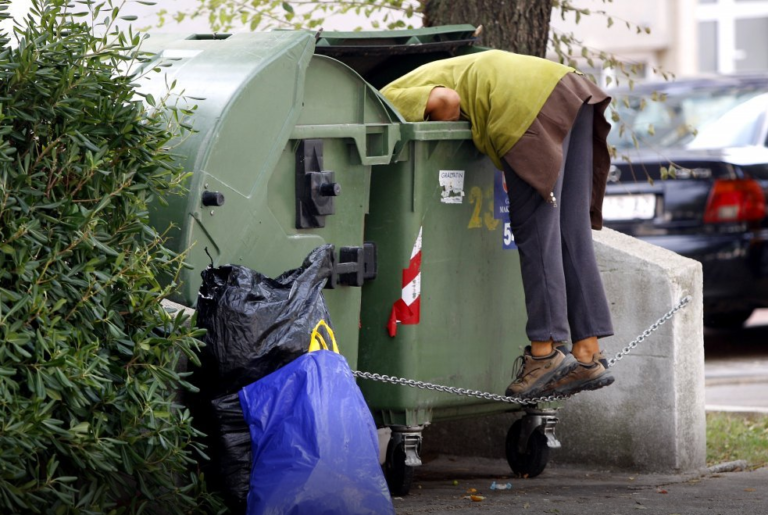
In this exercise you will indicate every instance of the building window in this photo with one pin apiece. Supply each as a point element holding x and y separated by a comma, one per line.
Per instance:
<point>751,43</point>
<point>708,47</point>
<point>733,35</point>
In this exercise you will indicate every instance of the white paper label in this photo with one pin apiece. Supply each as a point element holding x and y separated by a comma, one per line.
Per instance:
<point>452,184</point>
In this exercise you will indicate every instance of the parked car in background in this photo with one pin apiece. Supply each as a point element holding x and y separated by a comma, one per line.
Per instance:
<point>696,183</point>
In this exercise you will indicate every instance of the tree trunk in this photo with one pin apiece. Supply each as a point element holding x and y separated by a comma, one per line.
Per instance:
<point>521,26</point>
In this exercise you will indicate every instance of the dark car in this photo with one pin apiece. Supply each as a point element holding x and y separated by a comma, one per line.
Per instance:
<point>696,183</point>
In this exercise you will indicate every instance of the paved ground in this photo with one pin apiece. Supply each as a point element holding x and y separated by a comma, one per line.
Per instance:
<point>577,491</point>
<point>736,380</point>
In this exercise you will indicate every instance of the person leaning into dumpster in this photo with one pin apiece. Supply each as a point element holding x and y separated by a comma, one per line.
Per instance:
<point>543,124</point>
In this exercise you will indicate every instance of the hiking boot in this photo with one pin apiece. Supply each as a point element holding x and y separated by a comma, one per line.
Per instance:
<point>585,376</point>
<point>534,374</point>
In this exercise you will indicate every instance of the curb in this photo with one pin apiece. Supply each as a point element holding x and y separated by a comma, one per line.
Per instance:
<point>736,410</point>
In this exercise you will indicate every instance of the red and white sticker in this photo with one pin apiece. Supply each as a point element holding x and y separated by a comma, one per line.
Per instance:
<point>407,309</point>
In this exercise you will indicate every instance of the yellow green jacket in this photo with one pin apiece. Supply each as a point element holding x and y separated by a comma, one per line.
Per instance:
<point>501,94</point>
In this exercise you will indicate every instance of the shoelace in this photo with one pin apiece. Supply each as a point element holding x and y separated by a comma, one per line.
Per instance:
<point>518,368</point>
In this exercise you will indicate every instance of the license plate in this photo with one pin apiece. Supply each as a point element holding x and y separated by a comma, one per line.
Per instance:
<point>629,207</point>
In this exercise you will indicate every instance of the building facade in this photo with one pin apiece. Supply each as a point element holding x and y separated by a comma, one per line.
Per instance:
<point>687,37</point>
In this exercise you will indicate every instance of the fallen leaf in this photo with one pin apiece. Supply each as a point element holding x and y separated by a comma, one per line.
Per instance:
<point>476,498</point>
<point>631,478</point>
<point>640,507</point>
<point>471,490</point>
<point>662,491</point>
<point>526,506</point>
<point>749,489</point>
<point>455,482</point>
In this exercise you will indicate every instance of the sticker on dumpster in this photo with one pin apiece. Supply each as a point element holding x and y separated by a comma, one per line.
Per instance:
<point>508,241</point>
<point>452,184</point>
<point>500,197</point>
<point>501,210</point>
<point>407,309</point>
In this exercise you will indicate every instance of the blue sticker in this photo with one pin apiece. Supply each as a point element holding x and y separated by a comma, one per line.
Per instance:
<point>501,210</point>
<point>508,242</point>
<point>500,197</point>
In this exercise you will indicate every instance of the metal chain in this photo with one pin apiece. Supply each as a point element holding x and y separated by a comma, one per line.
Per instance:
<point>631,345</point>
<point>518,400</point>
<point>451,389</point>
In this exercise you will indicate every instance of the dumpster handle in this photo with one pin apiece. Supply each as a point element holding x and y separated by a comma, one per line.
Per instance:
<point>519,400</point>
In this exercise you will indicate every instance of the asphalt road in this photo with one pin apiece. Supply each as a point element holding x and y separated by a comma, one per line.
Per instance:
<point>736,366</point>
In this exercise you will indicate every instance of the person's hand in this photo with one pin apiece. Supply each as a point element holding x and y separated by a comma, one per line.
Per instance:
<point>443,105</point>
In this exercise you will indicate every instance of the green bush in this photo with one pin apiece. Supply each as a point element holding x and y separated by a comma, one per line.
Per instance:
<point>88,420</point>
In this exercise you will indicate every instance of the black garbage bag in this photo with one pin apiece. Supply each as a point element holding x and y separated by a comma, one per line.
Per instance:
<point>255,325</point>
<point>232,454</point>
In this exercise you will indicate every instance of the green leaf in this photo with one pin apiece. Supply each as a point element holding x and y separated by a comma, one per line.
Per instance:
<point>82,427</point>
<point>288,7</point>
<point>53,394</point>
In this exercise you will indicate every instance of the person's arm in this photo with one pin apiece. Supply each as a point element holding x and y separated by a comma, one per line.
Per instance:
<point>443,105</point>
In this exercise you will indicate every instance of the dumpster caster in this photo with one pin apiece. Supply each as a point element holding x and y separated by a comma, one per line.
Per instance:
<point>402,456</point>
<point>529,440</point>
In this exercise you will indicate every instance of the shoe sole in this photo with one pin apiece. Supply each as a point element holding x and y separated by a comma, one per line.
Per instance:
<point>606,379</point>
<point>566,367</point>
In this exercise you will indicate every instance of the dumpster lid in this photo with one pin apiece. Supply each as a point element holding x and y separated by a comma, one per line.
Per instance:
<point>446,37</point>
<point>382,56</point>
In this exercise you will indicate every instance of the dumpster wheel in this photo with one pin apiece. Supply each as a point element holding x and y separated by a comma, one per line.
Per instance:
<point>402,457</point>
<point>399,475</point>
<point>534,460</point>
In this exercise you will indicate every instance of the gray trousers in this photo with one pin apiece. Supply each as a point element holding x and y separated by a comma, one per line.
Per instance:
<point>560,277</point>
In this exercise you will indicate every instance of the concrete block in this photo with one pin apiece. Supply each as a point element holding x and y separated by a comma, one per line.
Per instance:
<point>652,418</point>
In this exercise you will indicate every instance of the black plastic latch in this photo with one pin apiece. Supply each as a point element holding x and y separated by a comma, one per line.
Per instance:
<point>315,188</point>
<point>354,266</point>
<point>213,198</point>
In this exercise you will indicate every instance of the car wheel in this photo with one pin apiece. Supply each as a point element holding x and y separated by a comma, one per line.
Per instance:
<point>728,319</point>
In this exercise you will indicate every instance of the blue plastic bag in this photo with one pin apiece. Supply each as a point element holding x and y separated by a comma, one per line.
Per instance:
<point>314,443</point>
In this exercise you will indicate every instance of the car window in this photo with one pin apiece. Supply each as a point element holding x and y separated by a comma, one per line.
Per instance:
<point>674,119</point>
<point>758,171</point>
<point>738,127</point>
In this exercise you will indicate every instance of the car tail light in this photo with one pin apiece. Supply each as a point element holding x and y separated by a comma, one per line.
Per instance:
<point>735,200</point>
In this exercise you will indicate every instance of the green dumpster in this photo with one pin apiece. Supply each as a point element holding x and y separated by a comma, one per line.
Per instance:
<point>294,148</point>
<point>447,307</point>
<point>280,158</point>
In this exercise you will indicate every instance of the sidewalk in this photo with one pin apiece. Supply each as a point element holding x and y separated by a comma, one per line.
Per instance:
<point>567,490</point>
<point>737,385</point>
<point>736,367</point>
